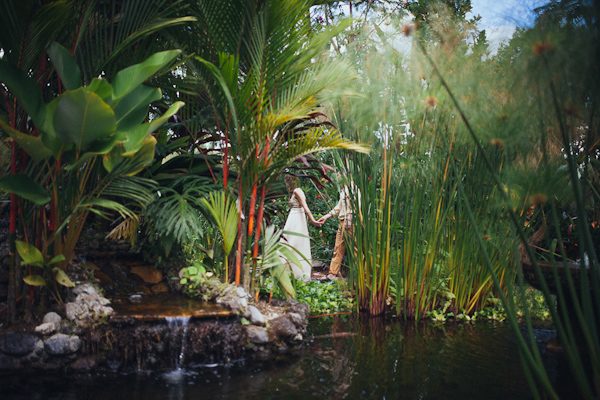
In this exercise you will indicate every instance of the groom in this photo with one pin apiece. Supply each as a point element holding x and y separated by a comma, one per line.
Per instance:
<point>343,212</point>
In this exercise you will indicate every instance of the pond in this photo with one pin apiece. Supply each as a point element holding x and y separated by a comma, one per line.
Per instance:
<point>345,357</point>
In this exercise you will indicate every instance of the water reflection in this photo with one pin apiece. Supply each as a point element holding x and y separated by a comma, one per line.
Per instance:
<point>347,358</point>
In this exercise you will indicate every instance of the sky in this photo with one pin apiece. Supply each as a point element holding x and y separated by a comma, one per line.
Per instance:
<point>500,18</point>
<point>496,13</point>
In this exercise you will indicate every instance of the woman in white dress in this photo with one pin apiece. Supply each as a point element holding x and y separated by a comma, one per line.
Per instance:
<point>296,223</point>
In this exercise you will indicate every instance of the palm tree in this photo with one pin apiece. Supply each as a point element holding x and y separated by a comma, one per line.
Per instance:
<point>260,77</point>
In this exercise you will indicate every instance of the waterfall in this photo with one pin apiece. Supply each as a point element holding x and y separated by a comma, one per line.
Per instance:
<point>179,327</point>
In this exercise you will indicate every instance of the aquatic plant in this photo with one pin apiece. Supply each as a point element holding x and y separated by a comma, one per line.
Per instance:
<point>552,59</point>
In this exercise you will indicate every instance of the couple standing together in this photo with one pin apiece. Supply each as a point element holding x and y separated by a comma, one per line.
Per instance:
<point>296,223</point>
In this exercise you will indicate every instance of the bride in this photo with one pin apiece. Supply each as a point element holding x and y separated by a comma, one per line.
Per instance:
<point>296,223</point>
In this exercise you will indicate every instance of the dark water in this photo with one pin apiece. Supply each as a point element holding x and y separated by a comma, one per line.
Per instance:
<point>345,358</point>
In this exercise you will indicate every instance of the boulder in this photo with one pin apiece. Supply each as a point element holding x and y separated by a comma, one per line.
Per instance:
<point>148,273</point>
<point>52,317</point>
<point>47,328</point>
<point>283,328</point>
<point>61,344</point>
<point>256,317</point>
<point>257,334</point>
<point>297,319</point>
<point>74,311</point>
<point>19,344</point>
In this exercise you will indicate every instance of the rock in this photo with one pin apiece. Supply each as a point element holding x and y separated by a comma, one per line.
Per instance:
<point>160,288</point>
<point>241,292</point>
<point>19,344</point>
<point>61,344</point>
<point>103,301</point>
<point>256,317</point>
<point>47,328</point>
<point>296,319</point>
<point>74,311</point>
<point>37,352</point>
<point>237,304</point>
<point>283,328</point>
<point>52,317</point>
<point>148,274</point>
<point>69,328</point>
<point>86,288</point>
<point>257,334</point>
<point>300,308</point>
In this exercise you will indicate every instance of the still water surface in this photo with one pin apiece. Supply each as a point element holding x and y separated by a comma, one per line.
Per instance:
<point>345,358</point>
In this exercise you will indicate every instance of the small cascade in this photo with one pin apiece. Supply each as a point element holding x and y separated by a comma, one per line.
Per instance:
<point>179,327</point>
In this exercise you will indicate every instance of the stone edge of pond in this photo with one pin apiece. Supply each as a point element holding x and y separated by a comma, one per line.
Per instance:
<point>82,337</point>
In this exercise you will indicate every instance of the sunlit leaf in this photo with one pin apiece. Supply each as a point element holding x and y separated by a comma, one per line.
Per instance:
<point>82,118</point>
<point>30,255</point>
<point>34,280</point>
<point>62,278</point>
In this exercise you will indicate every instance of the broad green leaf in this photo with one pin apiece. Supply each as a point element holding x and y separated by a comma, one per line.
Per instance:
<point>25,89</point>
<point>143,157</point>
<point>56,259</point>
<point>133,108</point>
<point>48,134</point>
<point>62,278</point>
<point>113,157</point>
<point>23,186</point>
<point>135,138</point>
<point>34,280</point>
<point>128,79</point>
<point>98,148</point>
<point>102,88</point>
<point>82,117</point>
<point>134,160</point>
<point>31,144</point>
<point>30,255</point>
<point>65,65</point>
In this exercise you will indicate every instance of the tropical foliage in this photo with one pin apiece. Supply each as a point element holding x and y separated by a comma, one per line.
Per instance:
<point>471,153</point>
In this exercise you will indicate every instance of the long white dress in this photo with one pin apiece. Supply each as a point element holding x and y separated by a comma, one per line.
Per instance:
<point>296,222</point>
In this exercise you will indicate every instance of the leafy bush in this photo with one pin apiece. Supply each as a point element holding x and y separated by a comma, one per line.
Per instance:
<point>321,297</point>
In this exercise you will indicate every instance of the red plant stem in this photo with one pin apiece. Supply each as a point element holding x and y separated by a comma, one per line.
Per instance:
<point>252,210</point>
<point>259,223</point>
<point>238,256</point>
<point>261,208</point>
<point>252,204</point>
